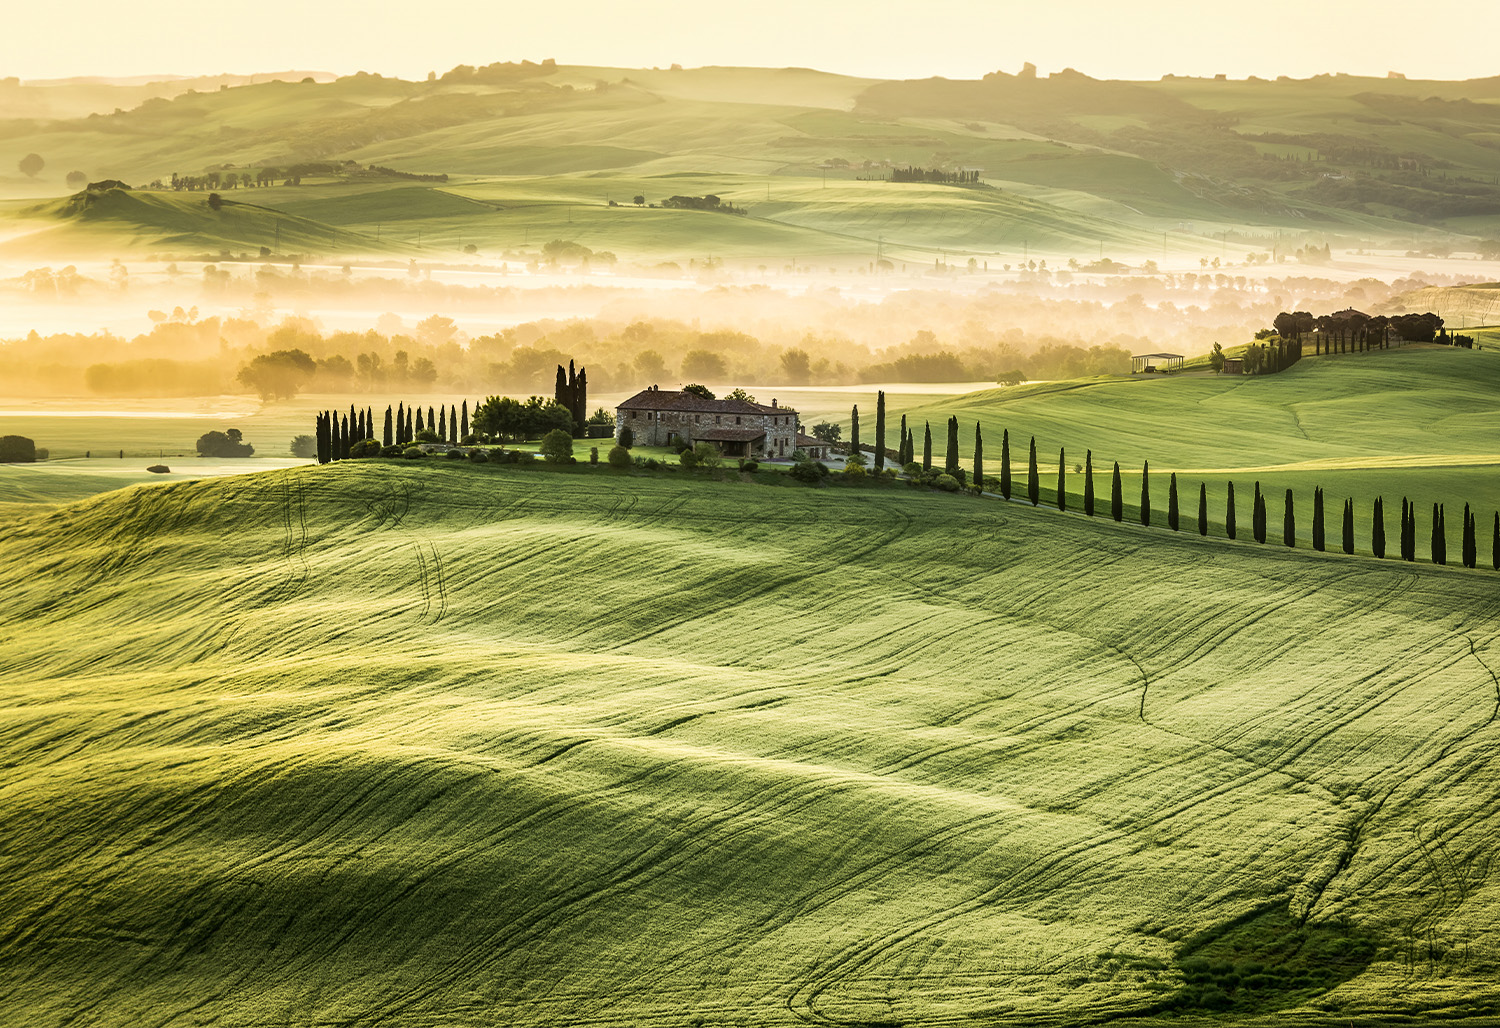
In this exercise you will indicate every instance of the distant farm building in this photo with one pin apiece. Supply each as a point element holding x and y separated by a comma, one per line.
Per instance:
<point>816,449</point>
<point>738,428</point>
<point>1234,366</point>
<point>1156,362</point>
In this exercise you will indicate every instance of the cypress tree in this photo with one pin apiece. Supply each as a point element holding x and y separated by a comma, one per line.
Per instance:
<point>354,425</point>
<point>1203,508</point>
<point>1439,537</point>
<point>1116,496</point>
<point>1289,522</point>
<point>453,435</point>
<point>1146,492</point>
<point>1377,529</point>
<point>1258,516</point>
<point>854,429</point>
<point>1495,544</point>
<point>369,422</point>
<point>344,440</point>
<point>1005,464</point>
<point>950,461</point>
<point>321,430</point>
<point>1318,539</point>
<point>880,431</point>
<point>926,446</point>
<point>388,438</point>
<point>400,423</point>
<point>1173,512</point>
<point>1088,483</point>
<point>1062,484</point>
<point>1471,547</point>
<point>1229,513</point>
<point>420,426</point>
<point>463,426</point>
<point>1348,526</point>
<point>978,458</point>
<point>431,421</point>
<point>442,429</point>
<point>905,442</point>
<point>334,444</point>
<point>1033,481</point>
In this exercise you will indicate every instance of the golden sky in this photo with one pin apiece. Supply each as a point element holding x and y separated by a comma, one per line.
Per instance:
<point>1142,39</point>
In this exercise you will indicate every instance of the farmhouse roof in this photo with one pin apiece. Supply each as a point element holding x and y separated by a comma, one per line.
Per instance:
<point>678,400</point>
<point>805,440</point>
<point>731,435</point>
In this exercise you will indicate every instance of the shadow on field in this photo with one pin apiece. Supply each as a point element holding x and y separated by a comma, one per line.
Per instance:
<point>1268,961</point>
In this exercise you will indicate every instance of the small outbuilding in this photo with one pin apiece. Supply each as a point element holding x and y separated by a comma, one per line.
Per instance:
<point>1156,362</point>
<point>815,448</point>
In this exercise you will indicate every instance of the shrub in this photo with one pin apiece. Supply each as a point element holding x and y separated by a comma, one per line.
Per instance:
<point>652,464</point>
<point>365,448</point>
<point>889,474</point>
<point>688,458</point>
<point>751,466</point>
<point>947,483</point>
<point>708,455</point>
<point>557,447</point>
<point>627,438</point>
<point>413,453</point>
<point>427,435</point>
<point>305,446</point>
<point>159,469</point>
<point>677,444</point>
<point>593,455</point>
<point>478,457</point>
<point>392,451</point>
<point>809,471</point>
<point>853,458</point>
<point>224,444</point>
<point>42,453</point>
<point>619,457</point>
<point>454,455</point>
<point>854,472</point>
<point>469,440</point>
<point>912,469</point>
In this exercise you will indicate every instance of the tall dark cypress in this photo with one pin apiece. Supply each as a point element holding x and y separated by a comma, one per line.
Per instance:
<point>453,435</point>
<point>400,423</point>
<point>911,446</point>
<point>1317,528</point>
<point>1088,483</point>
<point>344,440</point>
<point>442,429</point>
<point>1033,482</point>
<point>1348,526</point>
<point>581,399</point>
<point>978,458</point>
<point>353,423</point>
<point>880,431</point>
<point>905,442</point>
<point>854,429</point>
<point>1146,492</point>
<point>1062,483</point>
<point>321,429</point>
<point>1229,527</point>
<point>1173,512</point>
<point>1258,516</point>
<point>369,422</point>
<point>1005,464</point>
<point>1495,544</point>
<point>1439,537</point>
<point>1471,546</point>
<point>926,446</point>
<point>463,425</point>
<point>388,437</point>
<point>421,427</point>
<point>1289,522</point>
<point>1203,508</point>
<point>951,457</point>
<point>1377,529</point>
<point>334,445</point>
<point>431,420</point>
<point>1116,496</point>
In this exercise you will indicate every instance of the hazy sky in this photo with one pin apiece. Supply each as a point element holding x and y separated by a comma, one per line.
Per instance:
<point>880,38</point>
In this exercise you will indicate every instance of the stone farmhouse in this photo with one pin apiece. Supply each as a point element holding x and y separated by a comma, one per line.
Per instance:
<point>737,428</point>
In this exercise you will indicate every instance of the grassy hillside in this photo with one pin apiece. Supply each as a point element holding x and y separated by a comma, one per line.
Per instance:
<point>1416,421</point>
<point>1071,163</point>
<point>482,746</point>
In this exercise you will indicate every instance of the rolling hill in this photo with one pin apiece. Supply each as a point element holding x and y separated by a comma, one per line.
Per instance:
<point>483,745</point>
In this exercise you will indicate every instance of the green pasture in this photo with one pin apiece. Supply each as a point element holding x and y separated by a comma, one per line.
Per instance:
<point>480,745</point>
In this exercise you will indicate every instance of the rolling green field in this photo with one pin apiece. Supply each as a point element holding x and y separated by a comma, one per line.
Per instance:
<point>376,744</point>
<point>1418,421</point>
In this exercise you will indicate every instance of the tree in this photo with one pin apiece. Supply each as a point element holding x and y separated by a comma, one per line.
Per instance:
<point>229,443</point>
<point>1258,516</point>
<point>1377,529</point>
<point>557,446</point>
<point>215,202</point>
<point>1289,522</point>
<point>463,415</point>
<point>1439,536</point>
<point>1033,482</point>
<point>619,457</point>
<point>627,438</point>
<point>1173,512</point>
<point>1471,547</point>
<point>950,455</point>
<point>1088,483</point>
<point>304,446</point>
<point>880,431</point>
<point>827,431</point>
<point>906,454</point>
<point>31,164</point>
<point>1216,358</point>
<point>388,437</point>
<point>978,458</point>
<point>1348,526</point>
<point>17,449</point>
<point>639,200</point>
<point>796,366</point>
<point>739,394</point>
<point>278,375</point>
<point>927,446</point>
<point>77,180</point>
<point>1116,496</point>
<point>692,387</point>
<point>1203,508</point>
<point>1062,482</point>
<point>1146,492</point>
<point>1317,524</point>
<point>1229,527</point>
<point>1005,463</point>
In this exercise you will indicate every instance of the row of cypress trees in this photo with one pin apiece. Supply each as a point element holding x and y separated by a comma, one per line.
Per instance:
<point>1259,525</point>
<point>337,432</point>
